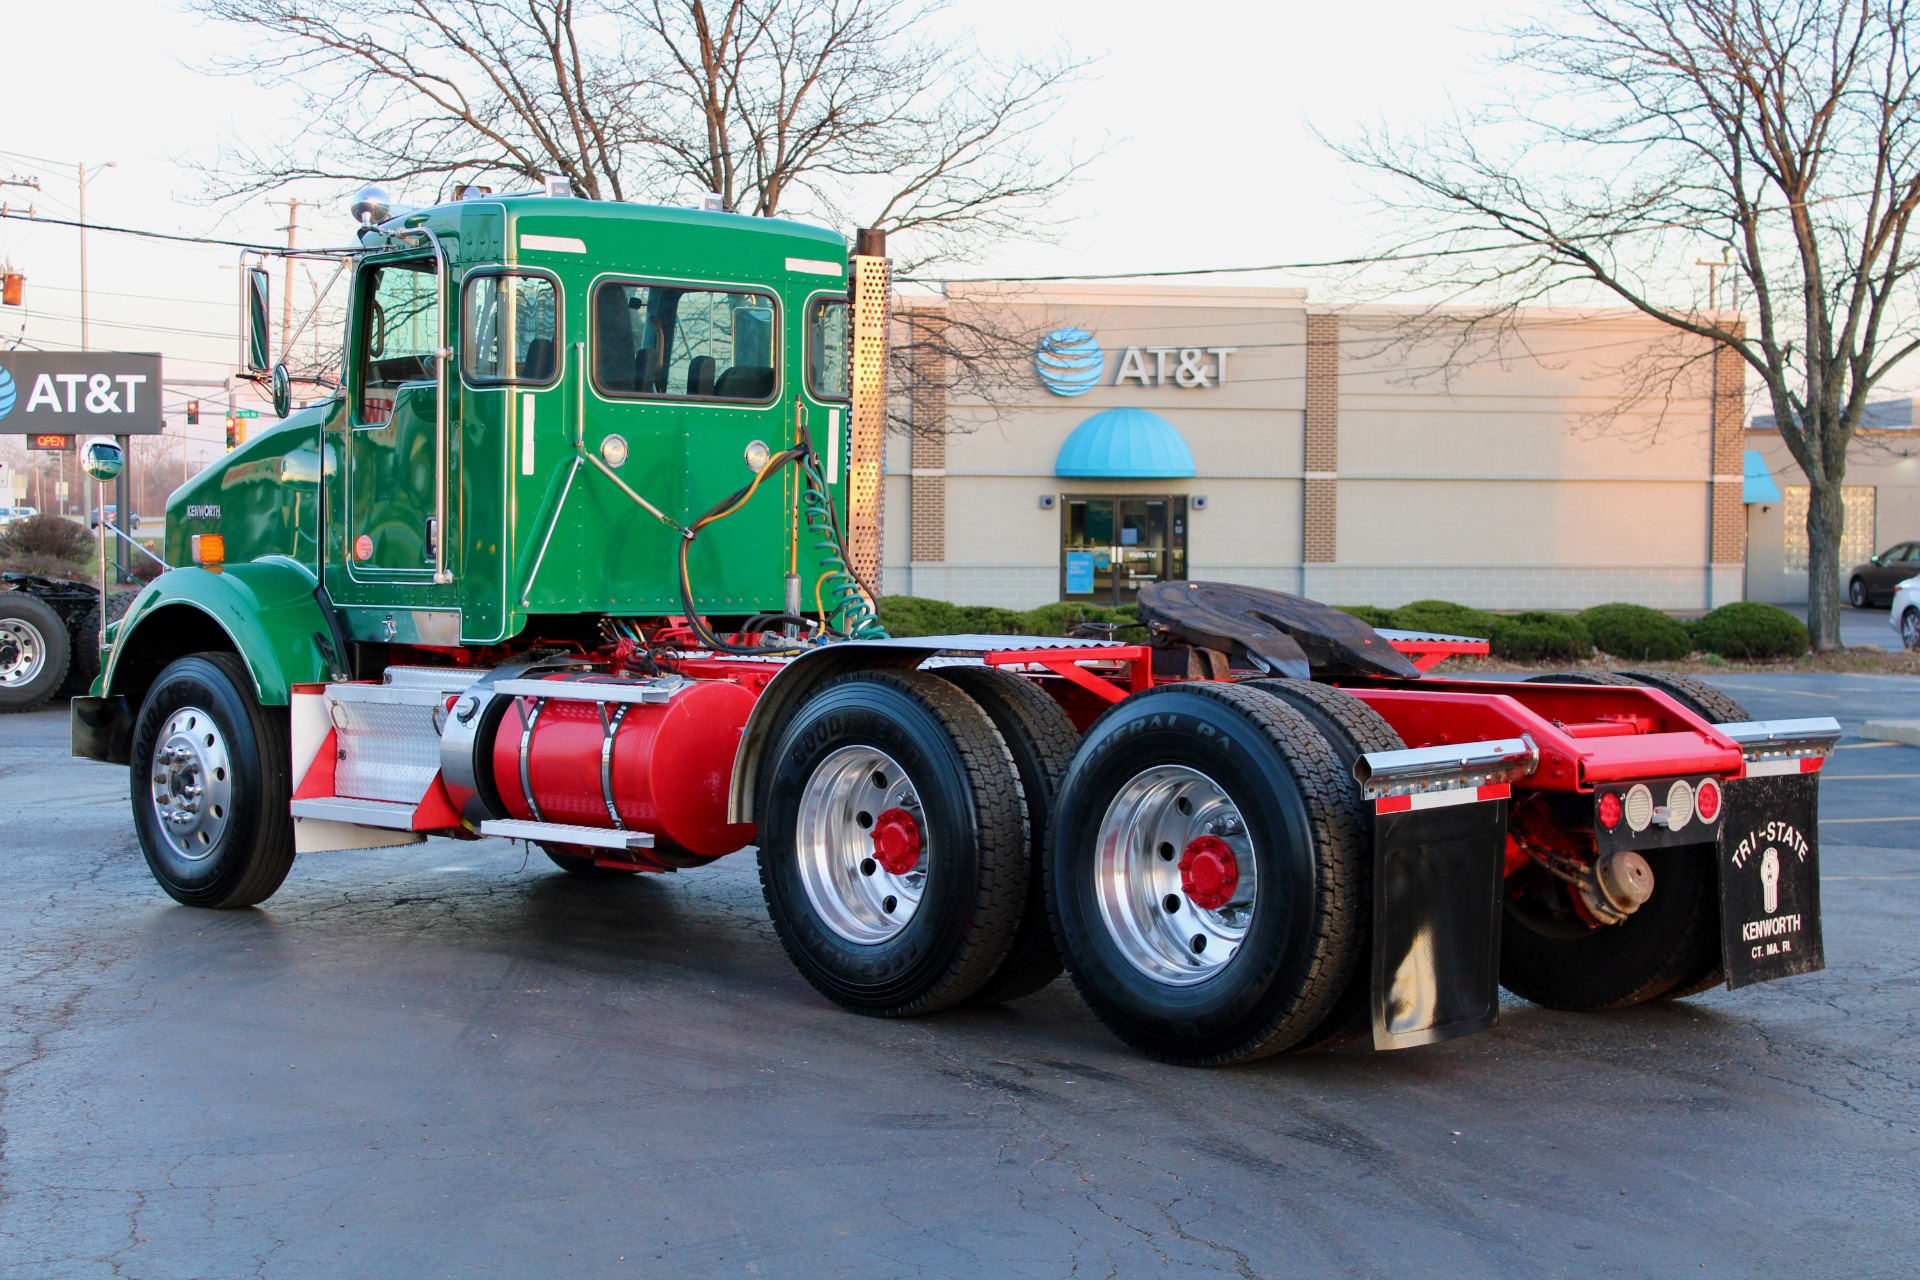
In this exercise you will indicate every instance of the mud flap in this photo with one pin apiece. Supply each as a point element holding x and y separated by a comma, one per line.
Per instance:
<point>1770,877</point>
<point>1438,868</point>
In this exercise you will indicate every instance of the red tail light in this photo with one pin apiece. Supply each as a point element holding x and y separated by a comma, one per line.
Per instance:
<point>1610,810</point>
<point>1706,800</point>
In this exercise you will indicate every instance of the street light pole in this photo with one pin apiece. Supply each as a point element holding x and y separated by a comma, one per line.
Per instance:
<point>81,171</point>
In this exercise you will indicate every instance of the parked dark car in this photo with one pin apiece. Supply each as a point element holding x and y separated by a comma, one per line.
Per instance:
<point>1874,582</point>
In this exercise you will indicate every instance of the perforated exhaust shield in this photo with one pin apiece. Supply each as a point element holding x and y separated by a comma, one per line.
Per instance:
<point>867,436</point>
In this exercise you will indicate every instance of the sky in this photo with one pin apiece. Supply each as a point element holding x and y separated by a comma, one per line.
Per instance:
<point>1203,113</point>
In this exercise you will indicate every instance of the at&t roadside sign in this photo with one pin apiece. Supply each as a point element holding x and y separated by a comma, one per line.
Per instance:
<point>79,393</point>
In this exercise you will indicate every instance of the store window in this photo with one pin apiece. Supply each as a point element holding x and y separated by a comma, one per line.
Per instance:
<point>511,329</point>
<point>683,344</point>
<point>1113,546</point>
<point>1857,532</point>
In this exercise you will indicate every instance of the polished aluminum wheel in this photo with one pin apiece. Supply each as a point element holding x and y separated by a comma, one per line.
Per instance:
<point>192,783</point>
<point>23,652</point>
<point>862,845</point>
<point>1175,875</point>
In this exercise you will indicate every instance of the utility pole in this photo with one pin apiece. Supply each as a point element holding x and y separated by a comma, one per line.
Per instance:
<point>286,285</point>
<point>1714,267</point>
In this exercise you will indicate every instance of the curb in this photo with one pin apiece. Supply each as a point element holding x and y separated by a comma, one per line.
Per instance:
<point>1903,731</point>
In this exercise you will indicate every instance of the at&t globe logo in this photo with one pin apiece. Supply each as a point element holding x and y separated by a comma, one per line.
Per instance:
<point>8,393</point>
<point>1069,362</point>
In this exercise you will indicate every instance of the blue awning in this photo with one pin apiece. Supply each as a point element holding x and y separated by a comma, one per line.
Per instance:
<point>1760,486</point>
<point>1125,444</point>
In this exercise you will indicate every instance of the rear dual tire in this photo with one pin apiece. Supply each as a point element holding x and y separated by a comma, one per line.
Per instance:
<point>35,652</point>
<point>1183,969</point>
<point>1667,950</point>
<point>895,846</point>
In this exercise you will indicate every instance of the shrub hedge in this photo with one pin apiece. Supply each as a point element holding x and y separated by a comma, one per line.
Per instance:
<point>917,616</point>
<point>1534,636</point>
<point>1637,632</point>
<point>1742,630</point>
<point>1749,629</point>
<point>45,537</point>
<point>1445,616</point>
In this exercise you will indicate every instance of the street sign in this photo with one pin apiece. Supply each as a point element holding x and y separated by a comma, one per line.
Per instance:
<point>50,444</point>
<point>246,413</point>
<point>73,393</point>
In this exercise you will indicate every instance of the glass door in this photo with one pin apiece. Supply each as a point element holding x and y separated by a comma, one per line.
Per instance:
<point>1113,546</point>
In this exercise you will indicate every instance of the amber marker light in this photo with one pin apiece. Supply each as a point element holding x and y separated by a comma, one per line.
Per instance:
<point>209,550</point>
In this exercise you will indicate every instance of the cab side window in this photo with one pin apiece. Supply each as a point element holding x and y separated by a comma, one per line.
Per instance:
<point>683,344</point>
<point>828,372</point>
<point>510,329</point>
<point>399,332</point>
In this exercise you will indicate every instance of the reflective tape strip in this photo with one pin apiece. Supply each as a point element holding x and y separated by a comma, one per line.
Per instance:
<point>1784,768</point>
<point>1441,799</point>
<point>815,267</point>
<point>554,244</point>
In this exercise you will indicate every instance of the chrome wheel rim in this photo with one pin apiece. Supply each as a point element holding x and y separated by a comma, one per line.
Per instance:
<point>1910,629</point>
<point>854,797</point>
<point>23,652</point>
<point>192,788</point>
<point>1159,818</point>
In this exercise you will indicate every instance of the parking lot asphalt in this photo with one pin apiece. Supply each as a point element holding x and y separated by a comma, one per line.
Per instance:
<point>452,1060</point>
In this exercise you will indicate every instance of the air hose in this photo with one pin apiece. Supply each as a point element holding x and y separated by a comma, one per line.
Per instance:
<point>850,610</point>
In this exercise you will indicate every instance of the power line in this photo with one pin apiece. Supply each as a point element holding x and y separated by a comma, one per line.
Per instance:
<point>134,231</point>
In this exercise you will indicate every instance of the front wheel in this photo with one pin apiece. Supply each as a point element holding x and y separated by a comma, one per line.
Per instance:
<point>1910,629</point>
<point>211,785</point>
<point>893,849</point>
<point>1857,594</point>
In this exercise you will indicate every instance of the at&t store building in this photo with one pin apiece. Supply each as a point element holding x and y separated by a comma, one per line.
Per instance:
<point>1244,435</point>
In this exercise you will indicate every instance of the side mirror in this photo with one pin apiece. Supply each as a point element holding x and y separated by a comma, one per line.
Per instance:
<point>1873,559</point>
<point>257,311</point>
<point>282,390</point>
<point>102,459</point>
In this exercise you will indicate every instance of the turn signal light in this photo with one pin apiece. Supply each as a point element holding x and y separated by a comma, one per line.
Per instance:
<point>209,550</point>
<point>1610,810</point>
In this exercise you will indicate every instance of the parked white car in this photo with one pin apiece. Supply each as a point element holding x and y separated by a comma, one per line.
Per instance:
<point>1904,613</point>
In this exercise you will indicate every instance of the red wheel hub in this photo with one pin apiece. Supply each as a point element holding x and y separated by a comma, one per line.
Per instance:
<point>1209,873</point>
<point>896,841</point>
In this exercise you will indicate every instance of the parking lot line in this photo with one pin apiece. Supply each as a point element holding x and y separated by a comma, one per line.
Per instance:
<point>1826,821</point>
<point>1855,746</point>
<point>1798,693</point>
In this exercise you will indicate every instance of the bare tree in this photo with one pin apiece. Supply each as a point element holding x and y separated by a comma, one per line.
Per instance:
<point>1783,133</point>
<point>409,90</point>
<point>843,111</point>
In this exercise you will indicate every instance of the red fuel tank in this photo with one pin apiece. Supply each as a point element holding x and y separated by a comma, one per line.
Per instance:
<point>661,767</point>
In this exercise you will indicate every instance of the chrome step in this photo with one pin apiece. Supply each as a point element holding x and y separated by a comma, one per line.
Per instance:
<point>560,833</point>
<point>365,813</point>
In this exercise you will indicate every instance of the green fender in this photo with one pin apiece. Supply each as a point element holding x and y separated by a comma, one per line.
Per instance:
<point>268,609</point>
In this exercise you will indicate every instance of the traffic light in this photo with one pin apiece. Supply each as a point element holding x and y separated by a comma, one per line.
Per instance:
<point>193,413</point>
<point>233,433</point>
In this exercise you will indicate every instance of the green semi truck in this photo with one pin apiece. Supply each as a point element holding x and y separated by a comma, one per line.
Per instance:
<point>582,551</point>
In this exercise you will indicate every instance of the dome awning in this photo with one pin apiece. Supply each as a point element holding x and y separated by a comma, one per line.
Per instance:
<point>1125,444</point>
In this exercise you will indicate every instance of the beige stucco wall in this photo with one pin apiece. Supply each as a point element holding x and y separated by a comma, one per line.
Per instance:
<point>1567,467</point>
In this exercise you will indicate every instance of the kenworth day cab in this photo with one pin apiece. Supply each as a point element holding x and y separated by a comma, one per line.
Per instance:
<point>582,549</point>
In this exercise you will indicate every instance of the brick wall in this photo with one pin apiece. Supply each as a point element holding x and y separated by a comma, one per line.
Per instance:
<point>1321,493</point>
